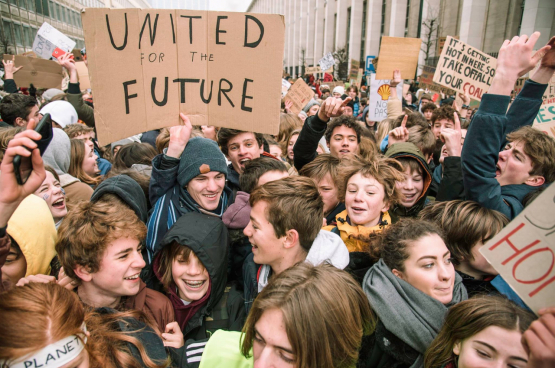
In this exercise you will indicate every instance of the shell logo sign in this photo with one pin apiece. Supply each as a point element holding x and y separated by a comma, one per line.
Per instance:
<point>384,91</point>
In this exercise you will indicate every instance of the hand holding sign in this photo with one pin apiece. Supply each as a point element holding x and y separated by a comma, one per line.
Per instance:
<point>400,134</point>
<point>10,68</point>
<point>332,107</point>
<point>539,340</point>
<point>453,138</point>
<point>396,78</point>
<point>179,136</point>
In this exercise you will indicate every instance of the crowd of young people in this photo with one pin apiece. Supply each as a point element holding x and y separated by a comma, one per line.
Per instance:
<point>339,242</point>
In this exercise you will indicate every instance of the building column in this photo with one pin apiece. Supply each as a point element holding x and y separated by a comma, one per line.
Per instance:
<point>288,31</point>
<point>310,57</point>
<point>301,31</point>
<point>473,20</point>
<point>296,34</point>
<point>373,27</point>
<point>355,38</point>
<point>398,18</point>
<point>538,16</point>
<point>341,30</point>
<point>318,50</point>
<point>329,18</point>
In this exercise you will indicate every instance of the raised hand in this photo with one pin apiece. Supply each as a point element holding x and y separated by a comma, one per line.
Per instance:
<point>332,107</point>
<point>400,134</point>
<point>288,105</point>
<point>452,138</point>
<point>9,68</point>
<point>396,78</point>
<point>179,137</point>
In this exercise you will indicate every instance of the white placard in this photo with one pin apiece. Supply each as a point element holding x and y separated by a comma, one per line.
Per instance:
<point>327,61</point>
<point>379,95</point>
<point>48,38</point>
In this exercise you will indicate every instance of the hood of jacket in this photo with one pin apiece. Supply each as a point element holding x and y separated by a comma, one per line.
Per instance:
<point>327,247</point>
<point>409,150</point>
<point>356,237</point>
<point>33,228</point>
<point>57,155</point>
<point>514,194</point>
<point>207,237</point>
<point>128,190</point>
<point>237,216</point>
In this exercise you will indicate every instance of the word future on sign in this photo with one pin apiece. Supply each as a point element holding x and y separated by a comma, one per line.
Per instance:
<point>219,68</point>
<point>462,67</point>
<point>524,252</point>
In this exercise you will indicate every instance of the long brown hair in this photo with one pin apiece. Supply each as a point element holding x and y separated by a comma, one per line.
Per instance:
<point>36,315</point>
<point>76,163</point>
<point>325,313</point>
<point>468,318</point>
<point>287,123</point>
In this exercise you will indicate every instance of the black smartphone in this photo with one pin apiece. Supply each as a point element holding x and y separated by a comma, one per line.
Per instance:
<point>44,128</point>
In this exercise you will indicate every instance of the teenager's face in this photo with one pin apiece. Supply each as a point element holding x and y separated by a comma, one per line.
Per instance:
<point>209,131</point>
<point>352,94</point>
<point>190,277</point>
<point>336,94</point>
<point>411,188</point>
<point>271,346</point>
<point>365,200</point>
<point>89,162</point>
<point>479,264</point>
<point>441,124</point>
<point>343,142</point>
<point>429,268</point>
<point>266,247</point>
<point>51,191</point>
<point>328,192</point>
<point>15,267</point>
<point>271,176</point>
<point>119,270</point>
<point>87,138</point>
<point>513,166</point>
<point>242,148</point>
<point>348,111</point>
<point>275,151</point>
<point>369,122</point>
<point>80,361</point>
<point>428,115</point>
<point>33,114</point>
<point>492,347</point>
<point>206,189</point>
<point>424,101</point>
<point>290,146</point>
<point>313,110</point>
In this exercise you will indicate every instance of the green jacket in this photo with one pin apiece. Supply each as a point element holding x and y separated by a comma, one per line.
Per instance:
<point>84,111</point>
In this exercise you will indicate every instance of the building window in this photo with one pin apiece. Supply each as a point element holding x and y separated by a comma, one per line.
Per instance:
<point>334,29</point>
<point>384,3</point>
<point>45,10</point>
<point>27,37</point>
<point>38,6</point>
<point>8,34</point>
<point>363,36</point>
<point>32,6</point>
<point>18,38</point>
<point>348,30</point>
<point>407,19</point>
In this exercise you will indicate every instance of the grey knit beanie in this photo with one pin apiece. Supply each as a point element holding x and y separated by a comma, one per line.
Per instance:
<point>310,104</point>
<point>201,155</point>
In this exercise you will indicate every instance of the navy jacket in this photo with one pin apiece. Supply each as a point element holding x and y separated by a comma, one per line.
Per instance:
<point>486,137</point>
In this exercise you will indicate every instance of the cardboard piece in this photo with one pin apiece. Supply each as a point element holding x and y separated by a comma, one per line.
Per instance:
<point>427,81</point>
<point>545,120</point>
<point>327,61</point>
<point>48,38</point>
<point>332,85</point>
<point>83,71</point>
<point>353,73</point>
<point>398,53</point>
<point>462,66</point>
<point>77,56</point>
<point>29,54</point>
<point>379,95</point>
<point>441,43</point>
<point>300,94</point>
<point>219,68</point>
<point>317,70</point>
<point>359,76</point>
<point>524,252</point>
<point>42,73</point>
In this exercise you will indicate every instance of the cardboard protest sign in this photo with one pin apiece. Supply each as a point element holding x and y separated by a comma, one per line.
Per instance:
<point>380,91</point>
<point>398,53</point>
<point>219,68</point>
<point>427,81</point>
<point>29,54</point>
<point>83,71</point>
<point>461,66</point>
<point>42,73</point>
<point>77,56</point>
<point>524,252</point>
<point>353,73</point>
<point>48,38</point>
<point>332,85</point>
<point>317,70</point>
<point>545,120</point>
<point>327,61</point>
<point>299,94</point>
